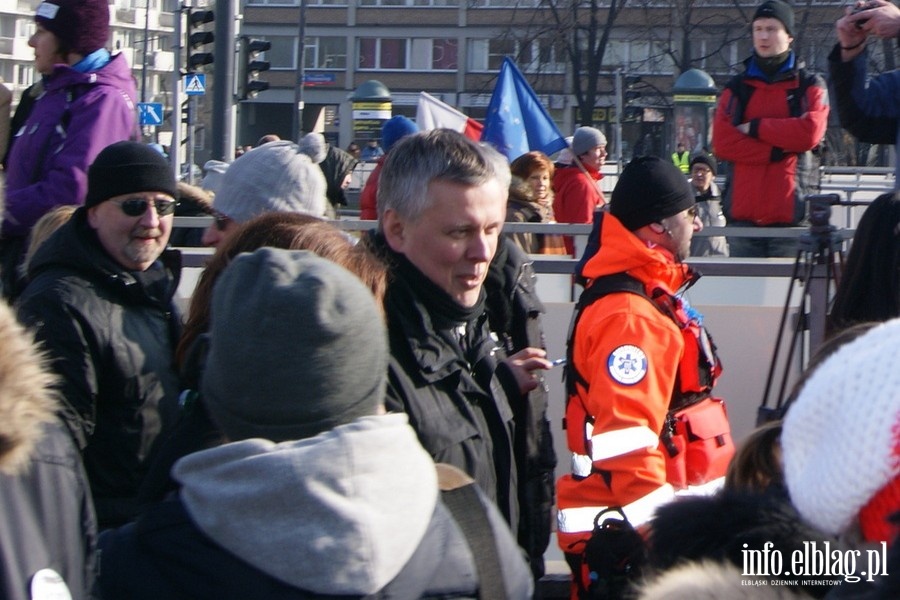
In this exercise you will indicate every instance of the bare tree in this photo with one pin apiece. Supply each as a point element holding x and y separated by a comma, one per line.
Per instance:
<point>584,27</point>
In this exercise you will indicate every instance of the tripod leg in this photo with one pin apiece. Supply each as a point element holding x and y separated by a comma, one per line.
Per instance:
<point>800,325</point>
<point>781,327</point>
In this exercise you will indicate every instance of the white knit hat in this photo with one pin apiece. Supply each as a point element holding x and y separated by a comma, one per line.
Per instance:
<point>274,177</point>
<point>841,437</point>
<point>565,155</point>
<point>214,174</point>
<point>313,145</point>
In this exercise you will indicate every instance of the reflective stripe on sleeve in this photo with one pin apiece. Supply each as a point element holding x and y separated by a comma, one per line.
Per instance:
<point>581,519</point>
<point>610,444</point>
<point>704,489</point>
<point>622,441</point>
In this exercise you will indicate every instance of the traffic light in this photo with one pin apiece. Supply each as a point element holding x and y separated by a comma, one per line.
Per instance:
<point>198,38</point>
<point>251,67</point>
<point>186,114</point>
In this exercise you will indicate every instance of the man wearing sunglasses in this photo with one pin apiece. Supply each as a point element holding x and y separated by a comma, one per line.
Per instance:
<point>636,352</point>
<point>99,296</point>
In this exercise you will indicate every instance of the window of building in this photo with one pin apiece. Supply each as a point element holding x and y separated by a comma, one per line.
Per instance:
<point>617,54</point>
<point>297,3</point>
<point>325,53</point>
<point>434,54</point>
<point>543,56</point>
<point>382,53</point>
<point>282,54</point>
<point>408,2</point>
<point>506,3</point>
<point>536,56</point>
<point>24,28</point>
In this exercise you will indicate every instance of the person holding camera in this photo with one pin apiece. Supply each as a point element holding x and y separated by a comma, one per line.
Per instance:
<point>871,112</point>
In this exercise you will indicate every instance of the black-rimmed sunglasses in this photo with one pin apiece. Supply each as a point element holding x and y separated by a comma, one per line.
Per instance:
<point>135,207</point>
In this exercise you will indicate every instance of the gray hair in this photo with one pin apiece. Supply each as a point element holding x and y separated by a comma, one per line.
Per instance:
<point>439,154</point>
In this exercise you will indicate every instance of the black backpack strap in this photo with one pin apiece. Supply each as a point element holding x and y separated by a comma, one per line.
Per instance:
<point>461,498</point>
<point>741,93</point>
<point>740,96</point>
<point>600,287</point>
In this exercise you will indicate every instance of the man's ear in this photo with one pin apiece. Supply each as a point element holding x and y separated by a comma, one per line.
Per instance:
<point>657,228</point>
<point>92,218</point>
<point>394,228</point>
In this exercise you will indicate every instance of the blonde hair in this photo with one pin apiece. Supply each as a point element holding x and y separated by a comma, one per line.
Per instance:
<point>42,230</point>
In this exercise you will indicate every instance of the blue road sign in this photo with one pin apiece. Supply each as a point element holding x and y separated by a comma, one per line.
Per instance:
<point>150,113</point>
<point>195,84</point>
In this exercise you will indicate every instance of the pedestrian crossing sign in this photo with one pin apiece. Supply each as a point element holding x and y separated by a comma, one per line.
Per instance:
<point>195,84</point>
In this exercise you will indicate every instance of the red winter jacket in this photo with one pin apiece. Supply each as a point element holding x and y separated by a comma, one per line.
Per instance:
<point>576,197</point>
<point>771,172</point>
<point>368,201</point>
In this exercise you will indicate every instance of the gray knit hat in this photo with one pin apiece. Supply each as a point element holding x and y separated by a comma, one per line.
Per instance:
<point>586,138</point>
<point>297,347</point>
<point>271,178</point>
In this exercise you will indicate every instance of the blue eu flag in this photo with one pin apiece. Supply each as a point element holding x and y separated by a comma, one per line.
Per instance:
<point>516,120</point>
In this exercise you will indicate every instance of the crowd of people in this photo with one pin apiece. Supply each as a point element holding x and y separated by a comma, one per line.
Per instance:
<point>366,415</point>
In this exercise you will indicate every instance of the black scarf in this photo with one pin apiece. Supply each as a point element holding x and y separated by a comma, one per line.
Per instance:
<point>771,65</point>
<point>444,310</point>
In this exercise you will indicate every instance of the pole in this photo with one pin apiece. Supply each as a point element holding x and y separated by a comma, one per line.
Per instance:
<point>175,146</point>
<point>301,72</point>
<point>223,90</point>
<point>619,108</point>
<point>144,59</point>
<point>192,111</point>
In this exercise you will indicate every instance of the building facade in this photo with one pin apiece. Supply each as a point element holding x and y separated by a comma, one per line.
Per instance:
<point>453,50</point>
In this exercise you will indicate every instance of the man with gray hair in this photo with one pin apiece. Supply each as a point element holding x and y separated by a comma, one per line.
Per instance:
<point>441,207</point>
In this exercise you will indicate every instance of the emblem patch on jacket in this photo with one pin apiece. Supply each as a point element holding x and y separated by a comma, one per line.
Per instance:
<point>627,364</point>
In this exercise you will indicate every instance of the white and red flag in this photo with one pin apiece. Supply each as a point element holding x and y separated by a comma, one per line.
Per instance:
<point>434,114</point>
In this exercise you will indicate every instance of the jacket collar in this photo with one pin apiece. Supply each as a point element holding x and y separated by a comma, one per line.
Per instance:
<point>620,251</point>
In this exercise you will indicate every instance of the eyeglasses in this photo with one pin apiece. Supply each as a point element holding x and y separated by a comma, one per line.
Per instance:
<point>221,221</point>
<point>135,207</point>
<point>693,212</point>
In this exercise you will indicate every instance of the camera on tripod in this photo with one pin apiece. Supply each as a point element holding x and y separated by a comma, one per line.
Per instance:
<point>820,210</point>
<point>818,264</point>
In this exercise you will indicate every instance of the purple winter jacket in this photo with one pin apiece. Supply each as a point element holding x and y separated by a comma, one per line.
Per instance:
<point>101,107</point>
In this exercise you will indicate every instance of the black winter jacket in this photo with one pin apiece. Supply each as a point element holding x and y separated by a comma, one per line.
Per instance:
<point>514,315</point>
<point>111,335</point>
<point>459,408</point>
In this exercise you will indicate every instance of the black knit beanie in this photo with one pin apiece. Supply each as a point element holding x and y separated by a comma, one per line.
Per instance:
<point>705,159</point>
<point>649,190</point>
<point>776,9</point>
<point>128,167</point>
